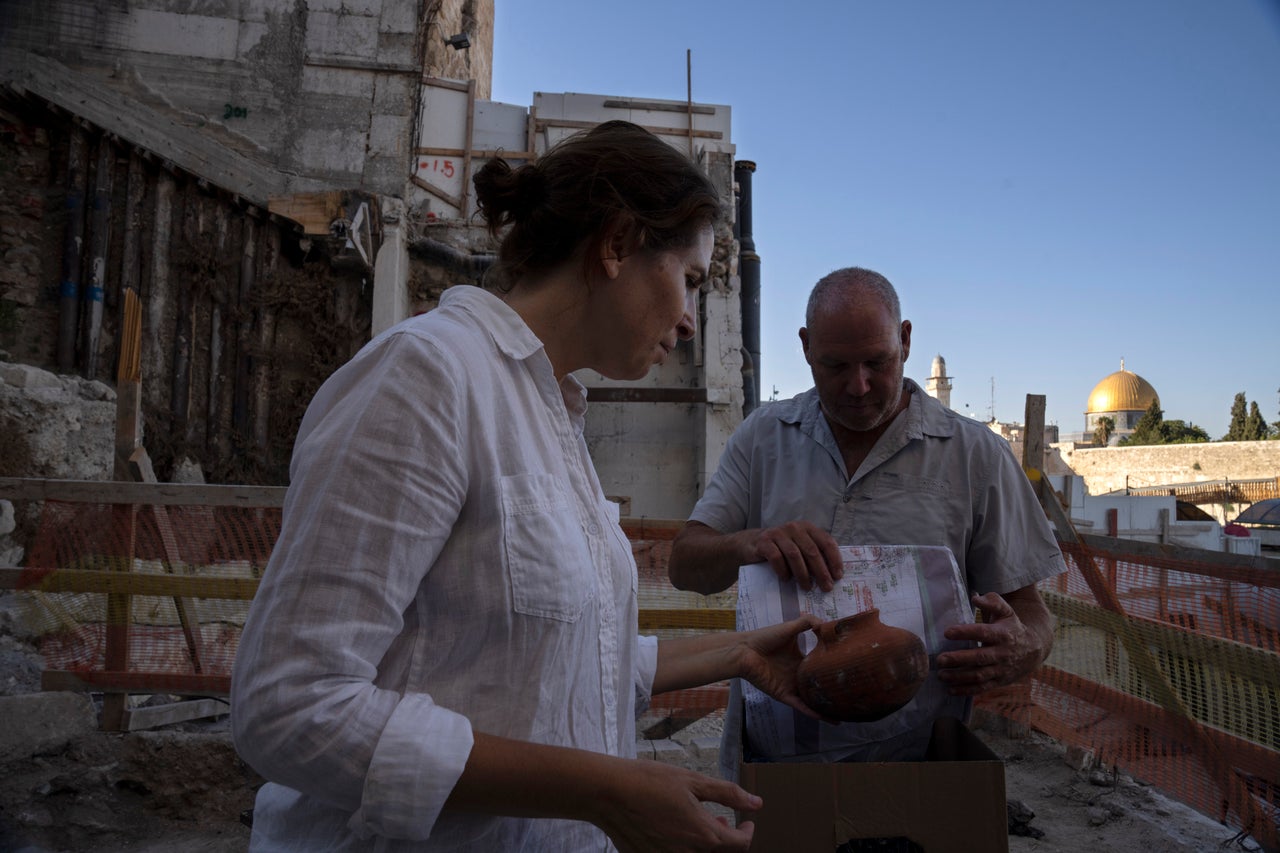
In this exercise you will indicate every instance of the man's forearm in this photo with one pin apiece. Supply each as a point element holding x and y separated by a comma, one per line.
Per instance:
<point>1032,612</point>
<point>705,560</point>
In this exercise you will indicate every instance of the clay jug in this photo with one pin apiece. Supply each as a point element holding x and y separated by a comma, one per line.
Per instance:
<point>862,669</point>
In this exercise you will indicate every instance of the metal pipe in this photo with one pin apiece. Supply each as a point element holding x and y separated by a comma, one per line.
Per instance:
<point>749,272</point>
<point>180,380</point>
<point>72,248</point>
<point>473,265</point>
<point>99,243</point>
<point>244,330</point>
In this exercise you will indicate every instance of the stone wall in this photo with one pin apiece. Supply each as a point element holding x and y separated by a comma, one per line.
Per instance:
<point>319,94</point>
<point>1109,469</point>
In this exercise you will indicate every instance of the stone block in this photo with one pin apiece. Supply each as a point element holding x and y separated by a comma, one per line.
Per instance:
<point>705,747</point>
<point>398,18</point>
<point>388,136</point>
<point>669,752</point>
<point>42,722</point>
<point>332,36</point>
<point>27,376</point>
<point>1079,758</point>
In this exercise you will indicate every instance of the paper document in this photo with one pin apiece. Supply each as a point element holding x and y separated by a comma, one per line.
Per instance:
<point>914,587</point>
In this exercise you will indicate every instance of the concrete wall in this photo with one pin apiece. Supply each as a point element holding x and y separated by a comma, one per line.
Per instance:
<point>325,92</point>
<point>1146,518</point>
<point>654,455</point>
<point>1109,469</point>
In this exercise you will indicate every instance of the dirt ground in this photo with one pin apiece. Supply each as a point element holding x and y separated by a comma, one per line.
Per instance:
<point>181,788</point>
<point>1074,810</point>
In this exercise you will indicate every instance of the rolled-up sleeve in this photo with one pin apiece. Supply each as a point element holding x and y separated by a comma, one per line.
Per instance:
<point>645,670</point>
<point>405,789</point>
<point>367,514</point>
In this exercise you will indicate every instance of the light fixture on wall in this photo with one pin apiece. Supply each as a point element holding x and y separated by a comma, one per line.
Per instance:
<point>459,42</point>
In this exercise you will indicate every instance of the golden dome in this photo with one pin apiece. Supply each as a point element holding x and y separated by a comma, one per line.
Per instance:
<point>1122,391</point>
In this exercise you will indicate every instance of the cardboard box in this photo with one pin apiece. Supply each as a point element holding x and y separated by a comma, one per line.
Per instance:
<point>952,801</point>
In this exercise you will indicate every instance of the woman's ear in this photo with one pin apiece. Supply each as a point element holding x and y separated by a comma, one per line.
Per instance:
<point>617,243</point>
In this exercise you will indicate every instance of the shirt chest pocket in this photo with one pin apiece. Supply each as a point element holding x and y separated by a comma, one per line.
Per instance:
<point>547,556</point>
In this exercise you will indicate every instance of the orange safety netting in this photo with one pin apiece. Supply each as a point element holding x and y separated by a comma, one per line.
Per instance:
<point>1181,690</point>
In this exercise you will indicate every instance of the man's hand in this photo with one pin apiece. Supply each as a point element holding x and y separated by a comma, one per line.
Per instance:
<point>1015,637</point>
<point>705,560</point>
<point>801,551</point>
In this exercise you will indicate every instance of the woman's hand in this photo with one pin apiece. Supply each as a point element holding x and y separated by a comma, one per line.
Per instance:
<point>770,657</point>
<point>655,806</point>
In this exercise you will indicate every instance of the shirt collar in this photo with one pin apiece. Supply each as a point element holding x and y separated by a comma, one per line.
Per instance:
<point>925,416</point>
<point>514,339</point>
<point>509,332</point>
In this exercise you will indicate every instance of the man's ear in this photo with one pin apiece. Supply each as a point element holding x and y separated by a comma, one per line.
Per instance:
<point>906,339</point>
<point>804,342</point>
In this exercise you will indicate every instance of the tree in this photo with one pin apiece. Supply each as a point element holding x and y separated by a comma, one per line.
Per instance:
<point>1147,430</point>
<point>1255,428</point>
<point>1152,428</point>
<point>1178,432</point>
<point>1275,427</point>
<point>1239,412</point>
<point>1103,430</point>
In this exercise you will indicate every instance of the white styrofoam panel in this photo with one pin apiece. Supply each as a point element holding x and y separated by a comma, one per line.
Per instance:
<point>444,117</point>
<point>499,126</point>
<point>574,106</point>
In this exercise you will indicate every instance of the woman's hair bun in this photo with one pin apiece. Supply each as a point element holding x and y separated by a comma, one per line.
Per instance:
<point>531,191</point>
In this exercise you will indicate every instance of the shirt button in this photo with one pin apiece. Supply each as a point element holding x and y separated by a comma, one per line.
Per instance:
<point>594,530</point>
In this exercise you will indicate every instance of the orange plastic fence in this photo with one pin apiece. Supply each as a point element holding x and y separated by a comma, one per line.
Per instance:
<point>1182,690</point>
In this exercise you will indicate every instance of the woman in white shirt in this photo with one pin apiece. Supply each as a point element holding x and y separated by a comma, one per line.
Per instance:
<point>443,652</point>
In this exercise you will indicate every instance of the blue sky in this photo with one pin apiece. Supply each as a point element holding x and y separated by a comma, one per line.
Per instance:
<point>1051,187</point>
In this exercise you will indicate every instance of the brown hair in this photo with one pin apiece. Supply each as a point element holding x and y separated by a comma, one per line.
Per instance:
<point>617,173</point>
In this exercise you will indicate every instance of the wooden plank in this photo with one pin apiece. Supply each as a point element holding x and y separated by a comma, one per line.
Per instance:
<point>1239,659</point>
<point>651,528</point>
<point>109,582</point>
<point>468,140</point>
<point>601,394</point>
<point>448,198</point>
<point>1247,755</point>
<point>478,153</point>
<point>1241,568</point>
<point>703,618</point>
<point>658,106</point>
<point>151,716</point>
<point>111,681</point>
<point>140,466</point>
<point>313,211</point>
<point>160,494</point>
<point>445,83</point>
<point>1194,734</point>
<point>1033,432</point>
<point>544,123</point>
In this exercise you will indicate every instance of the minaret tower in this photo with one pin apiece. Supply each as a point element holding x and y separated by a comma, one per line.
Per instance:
<point>939,384</point>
